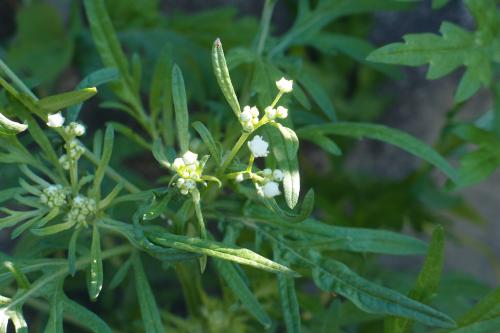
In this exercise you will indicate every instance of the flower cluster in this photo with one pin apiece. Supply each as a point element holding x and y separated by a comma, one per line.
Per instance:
<point>249,117</point>
<point>279,112</point>
<point>269,185</point>
<point>284,85</point>
<point>189,170</point>
<point>55,120</point>
<point>54,196</point>
<point>74,129</point>
<point>81,209</point>
<point>74,151</point>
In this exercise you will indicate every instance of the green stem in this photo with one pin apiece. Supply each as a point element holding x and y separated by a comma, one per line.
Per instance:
<point>265,20</point>
<point>16,80</point>
<point>112,173</point>
<point>236,148</point>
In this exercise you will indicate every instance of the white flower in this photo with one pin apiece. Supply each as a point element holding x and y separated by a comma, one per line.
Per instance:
<point>267,172</point>
<point>281,112</point>
<point>258,146</point>
<point>239,178</point>
<point>270,112</point>
<point>270,189</point>
<point>75,129</point>
<point>178,163</point>
<point>64,161</point>
<point>249,117</point>
<point>55,120</point>
<point>278,175</point>
<point>284,85</point>
<point>246,116</point>
<point>81,209</point>
<point>54,196</point>
<point>189,157</point>
<point>254,111</point>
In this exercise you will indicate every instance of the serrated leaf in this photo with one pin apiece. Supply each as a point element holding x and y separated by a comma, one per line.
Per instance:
<point>218,250</point>
<point>285,145</point>
<point>58,102</point>
<point>9,127</point>
<point>385,134</point>
<point>150,314</point>
<point>223,79</point>
<point>95,276</point>
<point>454,48</point>
<point>181,109</point>
<point>336,277</point>
<point>427,281</point>
<point>242,291</point>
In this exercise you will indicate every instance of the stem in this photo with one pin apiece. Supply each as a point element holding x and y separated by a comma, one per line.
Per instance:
<point>276,99</point>
<point>250,163</point>
<point>112,173</point>
<point>265,20</point>
<point>73,175</point>
<point>233,152</point>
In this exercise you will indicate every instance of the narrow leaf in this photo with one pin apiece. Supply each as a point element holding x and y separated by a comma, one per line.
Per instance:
<point>109,138</point>
<point>209,141</point>
<point>9,127</point>
<point>61,101</point>
<point>95,278</point>
<point>223,79</point>
<point>85,317</point>
<point>181,109</point>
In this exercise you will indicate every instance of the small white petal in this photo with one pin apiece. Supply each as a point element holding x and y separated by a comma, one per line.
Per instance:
<point>271,189</point>
<point>178,163</point>
<point>281,112</point>
<point>246,116</point>
<point>284,85</point>
<point>55,120</point>
<point>278,175</point>
<point>270,112</point>
<point>239,178</point>
<point>254,111</point>
<point>258,146</point>
<point>79,129</point>
<point>189,157</point>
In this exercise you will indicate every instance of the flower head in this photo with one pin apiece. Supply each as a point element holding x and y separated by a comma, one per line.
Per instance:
<point>190,157</point>
<point>54,196</point>
<point>270,112</point>
<point>75,129</point>
<point>284,85</point>
<point>81,209</point>
<point>258,146</point>
<point>55,120</point>
<point>278,175</point>
<point>189,171</point>
<point>281,112</point>
<point>249,117</point>
<point>270,189</point>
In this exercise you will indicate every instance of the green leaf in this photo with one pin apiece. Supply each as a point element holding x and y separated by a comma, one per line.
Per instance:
<point>61,101</point>
<point>95,277</point>
<point>485,326</point>
<point>437,4</point>
<point>120,274</point>
<point>427,281</point>
<point>288,299</point>
<point>55,322</point>
<point>322,141</point>
<point>9,127</point>
<point>109,138</point>
<point>85,317</point>
<point>108,46</point>
<point>218,250</point>
<point>485,309</point>
<point>285,145</point>
<point>223,79</point>
<point>94,79</point>
<point>151,317</point>
<point>454,48</point>
<point>72,251</point>
<point>306,209</point>
<point>334,276</point>
<point>181,109</point>
<point>319,95</point>
<point>209,141</point>
<point>239,287</point>
<point>385,134</point>
<point>53,229</point>
<point>160,97</point>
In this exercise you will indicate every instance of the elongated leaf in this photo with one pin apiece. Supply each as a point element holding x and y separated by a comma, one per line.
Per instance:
<point>324,142</point>
<point>109,138</point>
<point>336,277</point>
<point>306,209</point>
<point>10,127</point>
<point>218,250</point>
<point>242,291</point>
<point>72,252</point>
<point>209,141</point>
<point>386,134</point>
<point>160,97</point>
<point>181,109</point>
<point>149,309</point>
<point>53,229</point>
<point>85,317</point>
<point>223,79</point>
<point>94,79</point>
<point>485,326</point>
<point>107,44</point>
<point>95,277</point>
<point>285,145</point>
<point>61,101</point>
<point>55,322</point>
<point>319,95</point>
<point>288,299</point>
<point>487,308</point>
<point>120,274</point>
<point>427,281</point>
